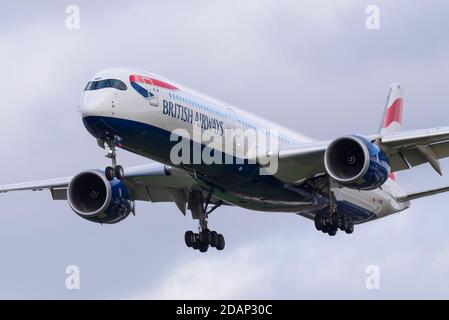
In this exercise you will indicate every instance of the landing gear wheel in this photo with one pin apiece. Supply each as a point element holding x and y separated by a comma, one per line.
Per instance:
<point>203,247</point>
<point>325,227</point>
<point>221,242</point>
<point>344,223</point>
<point>336,220</point>
<point>350,228</point>
<point>206,237</point>
<point>189,238</point>
<point>109,173</point>
<point>319,222</point>
<point>214,239</point>
<point>119,172</point>
<point>332,231</point>
<point>201,207</point>
<point>196,244</point>
<point>113,171</point>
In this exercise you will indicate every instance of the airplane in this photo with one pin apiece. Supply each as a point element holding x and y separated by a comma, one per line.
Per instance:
<point>336,184</point>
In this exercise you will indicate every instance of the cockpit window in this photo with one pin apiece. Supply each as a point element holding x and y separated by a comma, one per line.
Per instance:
<point>118,84</point>
<point>103,84</point>
<point>107,83</point>
<point>91,85</point>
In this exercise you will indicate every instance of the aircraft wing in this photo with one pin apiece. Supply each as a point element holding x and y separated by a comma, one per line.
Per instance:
<point>408,149</point>
<point>37,185</point>
<point>301,162</point>
<point>405,149</point>
<point>153,182</point>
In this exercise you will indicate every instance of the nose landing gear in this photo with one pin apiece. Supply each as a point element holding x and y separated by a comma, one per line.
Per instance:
<point>114,171</point>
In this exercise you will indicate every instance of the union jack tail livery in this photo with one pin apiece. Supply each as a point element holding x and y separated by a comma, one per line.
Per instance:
<point>392,120</point>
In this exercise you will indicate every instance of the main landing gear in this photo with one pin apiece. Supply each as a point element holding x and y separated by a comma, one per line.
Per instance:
<point>334,220</point>
<point>114,171</point>
<point>330,225</point>
<point>201,241</point>
<point>205,237</point>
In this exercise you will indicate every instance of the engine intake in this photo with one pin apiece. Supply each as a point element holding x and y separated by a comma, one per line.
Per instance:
<point>93,197</point>
<point>356,163</point>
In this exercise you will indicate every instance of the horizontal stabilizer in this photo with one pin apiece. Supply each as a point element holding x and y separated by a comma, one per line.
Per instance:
<point>422,194</point>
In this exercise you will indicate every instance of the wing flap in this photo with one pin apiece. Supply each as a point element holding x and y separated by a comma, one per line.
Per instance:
<point>413,157</point>
<point>398,162</point>
<point>441,149</point>
<point>59,193</point>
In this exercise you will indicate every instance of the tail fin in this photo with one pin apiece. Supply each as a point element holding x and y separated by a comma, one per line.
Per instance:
<point>392,121</point>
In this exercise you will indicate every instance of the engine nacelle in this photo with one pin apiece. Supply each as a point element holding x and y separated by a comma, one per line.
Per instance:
<point>93,197</point>
<point>357,163</point>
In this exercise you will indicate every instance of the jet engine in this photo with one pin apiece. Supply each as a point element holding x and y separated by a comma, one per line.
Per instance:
<point>94,198</point>
<point>357,163</point>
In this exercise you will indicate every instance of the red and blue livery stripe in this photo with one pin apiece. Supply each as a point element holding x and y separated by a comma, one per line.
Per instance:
<point>139,83</point>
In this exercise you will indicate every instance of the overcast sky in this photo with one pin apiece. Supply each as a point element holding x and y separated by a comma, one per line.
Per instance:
<point>311,66</point>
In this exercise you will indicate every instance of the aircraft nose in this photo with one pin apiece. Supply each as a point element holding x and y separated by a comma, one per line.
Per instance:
<point>96,104</point>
